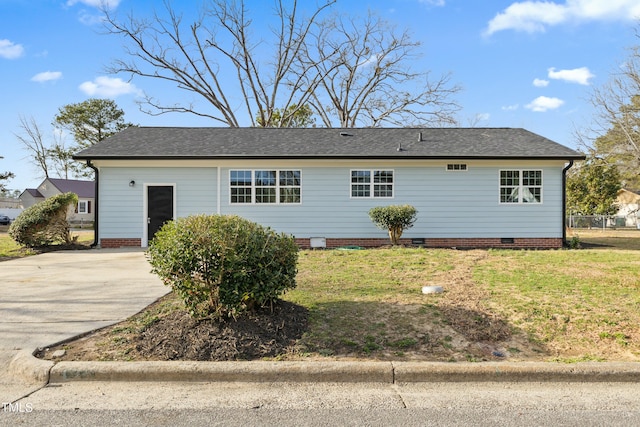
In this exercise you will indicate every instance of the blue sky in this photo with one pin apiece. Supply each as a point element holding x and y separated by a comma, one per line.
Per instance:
<point>529,64</point>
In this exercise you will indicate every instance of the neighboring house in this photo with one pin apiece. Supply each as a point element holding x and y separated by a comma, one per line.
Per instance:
<point>628,202</point>
<point>84,211</point>
<point>472,187</point>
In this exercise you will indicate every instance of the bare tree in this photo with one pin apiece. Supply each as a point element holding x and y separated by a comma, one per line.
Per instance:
<point>614,135</point>
<point>349,75</point>
<point>194,57</point>
<point>61,158</point>
<point>33,142</point>
<point>367,78</point>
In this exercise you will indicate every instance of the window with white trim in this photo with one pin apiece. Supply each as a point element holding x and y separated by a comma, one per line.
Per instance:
<point>521,186</point>
<point>265,186</point>
<point>241,188</point>
<point>372,183</point>
<point>457,167</point>
<point>83,207</point>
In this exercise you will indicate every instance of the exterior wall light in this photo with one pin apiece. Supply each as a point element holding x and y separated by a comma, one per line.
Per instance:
<point>132,183</point>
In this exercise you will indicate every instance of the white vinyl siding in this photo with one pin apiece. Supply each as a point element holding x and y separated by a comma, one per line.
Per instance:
<point>455,205</point>
<point>121,206</point>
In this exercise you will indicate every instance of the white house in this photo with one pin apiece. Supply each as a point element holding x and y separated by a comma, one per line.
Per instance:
<point>472,187</point>
<point>85,190</point>
<point>628,202</point>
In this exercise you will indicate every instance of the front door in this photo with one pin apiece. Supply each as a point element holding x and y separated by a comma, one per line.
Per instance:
<point>159,208</point>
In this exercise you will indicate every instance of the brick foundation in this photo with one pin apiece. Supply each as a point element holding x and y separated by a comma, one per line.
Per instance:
<point>460,243</point>
<point>119,243</point>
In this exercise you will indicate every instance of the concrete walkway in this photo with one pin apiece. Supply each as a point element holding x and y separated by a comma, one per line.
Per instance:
<point>54,296</point>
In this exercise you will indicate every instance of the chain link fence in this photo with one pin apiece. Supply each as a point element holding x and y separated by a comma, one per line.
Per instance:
<point>603,221</point>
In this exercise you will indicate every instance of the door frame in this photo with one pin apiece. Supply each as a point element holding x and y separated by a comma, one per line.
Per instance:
<point>145,207</point>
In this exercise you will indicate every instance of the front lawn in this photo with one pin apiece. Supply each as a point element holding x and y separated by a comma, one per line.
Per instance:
<point>564,305</point>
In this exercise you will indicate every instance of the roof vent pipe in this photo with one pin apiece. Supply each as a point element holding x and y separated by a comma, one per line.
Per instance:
<point>420,137</point>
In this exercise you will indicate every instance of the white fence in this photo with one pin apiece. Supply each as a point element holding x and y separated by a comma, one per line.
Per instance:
<point>603,221</point>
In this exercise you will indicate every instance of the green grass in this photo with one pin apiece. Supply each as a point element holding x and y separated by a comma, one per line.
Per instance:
<point>568,305</point>
<point>10,249</point>
<point>568,299</point>
<point>367,276</point>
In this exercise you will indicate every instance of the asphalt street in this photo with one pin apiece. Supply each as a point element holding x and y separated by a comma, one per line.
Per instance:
<point>323,404</point>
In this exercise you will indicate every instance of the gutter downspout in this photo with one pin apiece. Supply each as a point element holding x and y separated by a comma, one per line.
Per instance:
<point>96,210</point>
<point>564,202</point>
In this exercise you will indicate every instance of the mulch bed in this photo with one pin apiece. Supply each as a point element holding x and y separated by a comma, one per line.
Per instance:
<point>254,335</point>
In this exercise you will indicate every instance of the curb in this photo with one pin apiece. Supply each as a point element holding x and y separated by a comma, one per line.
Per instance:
<point>26,366</point>
<point>257,371</point>
<point>31,368</point>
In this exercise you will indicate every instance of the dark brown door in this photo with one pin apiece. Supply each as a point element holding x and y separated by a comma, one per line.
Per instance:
<point>159,207</point>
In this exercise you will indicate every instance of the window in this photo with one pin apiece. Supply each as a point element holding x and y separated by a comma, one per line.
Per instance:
<point>456,167</point>
<point>83,207</point>
<point>240,186</point>
<point>289,186</point>
<point>372,183</point>
<point>265,186</point>
<point>521,186</point>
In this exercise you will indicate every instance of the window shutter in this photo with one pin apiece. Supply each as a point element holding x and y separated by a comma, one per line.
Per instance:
<point>76,211</point>
<point>88,206</point>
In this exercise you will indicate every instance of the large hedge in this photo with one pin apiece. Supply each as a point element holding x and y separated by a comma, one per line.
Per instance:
<point>44,223</point>
<point>223,265</point>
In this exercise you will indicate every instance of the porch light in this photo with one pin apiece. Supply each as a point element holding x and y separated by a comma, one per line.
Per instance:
<point>132,183</point>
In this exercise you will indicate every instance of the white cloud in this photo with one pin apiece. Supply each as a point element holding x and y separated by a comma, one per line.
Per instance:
<point>577,75</point>
<point>10,50</point>
<point>434,2</point>
<point>513,107</point>
<point>544,103</point>
<point>536,16</point>
<point>108,87</point>
<point>540,83</point>
<point>46,76</point>
<point>110,4</point>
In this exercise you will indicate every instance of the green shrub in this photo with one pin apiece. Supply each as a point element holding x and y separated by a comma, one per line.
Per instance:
<point>223,265</point>
<point>395,218</point>
<point>44,223</point>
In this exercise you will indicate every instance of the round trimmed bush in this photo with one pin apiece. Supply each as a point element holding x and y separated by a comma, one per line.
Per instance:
<point>44,223</point>
<point>223,265</point>
<point>394,218</point>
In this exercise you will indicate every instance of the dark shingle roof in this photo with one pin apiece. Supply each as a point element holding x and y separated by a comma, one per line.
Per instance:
<point>310,143</point>
<point>34,192</point>
<point>84,189</point>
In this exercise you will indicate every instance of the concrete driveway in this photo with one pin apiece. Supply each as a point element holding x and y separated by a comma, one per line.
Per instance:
<point>47,298</point>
